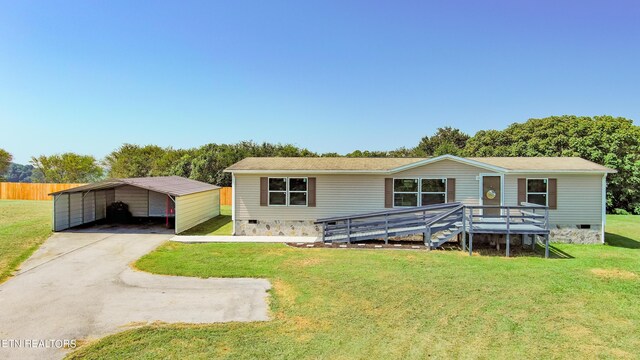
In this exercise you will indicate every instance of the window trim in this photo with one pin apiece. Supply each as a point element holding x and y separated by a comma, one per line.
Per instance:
<point>446,189</point>
<point>406,192</point>
<point>306,192</point>
<point>287,191</point>
<point>546,193</point>
<point>419,192</point>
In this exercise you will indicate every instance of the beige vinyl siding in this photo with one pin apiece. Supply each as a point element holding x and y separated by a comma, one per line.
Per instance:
<point>467,183</point>
<point>61,212</point>
<point>194,209</point>
<point>338,195</point>
<point>335,195</point>
<point>579,197</point>
<point>136,198</point>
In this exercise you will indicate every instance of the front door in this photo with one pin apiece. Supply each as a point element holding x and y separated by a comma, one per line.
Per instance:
<point>491,194</point>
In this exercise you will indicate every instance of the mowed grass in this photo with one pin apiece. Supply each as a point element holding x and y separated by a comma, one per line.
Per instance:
<point>390,304</point>
<point>219,225</point>
<point>24,225</point>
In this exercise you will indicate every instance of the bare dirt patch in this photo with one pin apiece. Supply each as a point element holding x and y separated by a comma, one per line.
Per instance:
<point>614,274</point>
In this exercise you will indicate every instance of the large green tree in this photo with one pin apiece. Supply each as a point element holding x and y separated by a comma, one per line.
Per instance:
<point>132,160</point>
<point>19,173</point>
<point>446,140</point>
<point>606,140</point>
<point>67,168</point>
<point>210,160</point>
<point>5,161</point>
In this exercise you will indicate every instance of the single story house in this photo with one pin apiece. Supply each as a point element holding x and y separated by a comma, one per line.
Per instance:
<point>285,196</point>
<point>185,202</point>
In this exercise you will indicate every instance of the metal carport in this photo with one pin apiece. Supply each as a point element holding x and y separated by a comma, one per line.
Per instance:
<point>192,202</point>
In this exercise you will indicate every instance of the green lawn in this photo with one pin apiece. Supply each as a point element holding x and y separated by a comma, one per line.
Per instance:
<point>372,304</point>
<point>24,225</point>
<point>219,225</point>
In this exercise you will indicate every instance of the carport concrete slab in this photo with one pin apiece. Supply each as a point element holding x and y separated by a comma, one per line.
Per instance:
<point>123,229</point>
<point>80,286</point>
<point>245,239</point>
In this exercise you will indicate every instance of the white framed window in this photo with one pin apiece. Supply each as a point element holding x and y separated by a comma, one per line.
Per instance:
<point>298,191</point>
<point>433,191</point>
<point>277,191</point>
<point>409,192</point>
<point>538,191</point>
<point>405,192</point>
<point>288,191</point>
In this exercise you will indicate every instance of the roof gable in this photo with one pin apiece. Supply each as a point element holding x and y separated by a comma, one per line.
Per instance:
<point>458,159</point>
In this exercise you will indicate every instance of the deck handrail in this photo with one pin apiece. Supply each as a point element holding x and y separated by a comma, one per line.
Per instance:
<point>389,212</point>
<point>444,215</point>
<point>451,219</point>
<point>515,207</point>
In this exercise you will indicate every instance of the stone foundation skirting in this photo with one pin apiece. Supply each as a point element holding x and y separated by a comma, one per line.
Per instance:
<point>561,234</point>
<point>573,235</point>
<point>558,233</point>
<point>278,228</point>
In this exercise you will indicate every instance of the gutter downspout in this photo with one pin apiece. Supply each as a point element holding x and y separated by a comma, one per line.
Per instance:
<point>604,206</point>
<point>233,203</point>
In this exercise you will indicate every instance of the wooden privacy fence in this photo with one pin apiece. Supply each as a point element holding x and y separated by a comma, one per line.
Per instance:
<point>30,191</point>
<point>225,196</point>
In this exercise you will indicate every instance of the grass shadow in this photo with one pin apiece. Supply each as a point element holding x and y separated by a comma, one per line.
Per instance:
<point>219,225</point>
<point>519,251</point>
<point>554,252</point>
<point>621,241</point>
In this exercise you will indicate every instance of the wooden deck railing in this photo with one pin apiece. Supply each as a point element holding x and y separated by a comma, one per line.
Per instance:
<point>452,219</point>
<point>396,222</point>
<point>524,219</point>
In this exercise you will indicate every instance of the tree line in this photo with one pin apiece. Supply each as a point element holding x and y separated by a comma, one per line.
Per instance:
<point>606,140</point>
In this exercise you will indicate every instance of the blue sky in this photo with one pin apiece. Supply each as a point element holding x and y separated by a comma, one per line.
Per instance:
<point>87,76</point>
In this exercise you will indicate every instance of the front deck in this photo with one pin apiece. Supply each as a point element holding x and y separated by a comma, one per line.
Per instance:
<point>439,224</point>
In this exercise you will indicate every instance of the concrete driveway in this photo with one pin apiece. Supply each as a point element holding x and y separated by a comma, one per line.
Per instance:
<point>80,286</point>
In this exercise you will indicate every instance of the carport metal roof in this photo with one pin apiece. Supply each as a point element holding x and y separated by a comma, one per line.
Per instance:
<point>169,185</point>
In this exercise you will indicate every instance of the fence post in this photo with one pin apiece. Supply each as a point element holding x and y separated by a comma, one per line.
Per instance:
<point>349,231</point>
